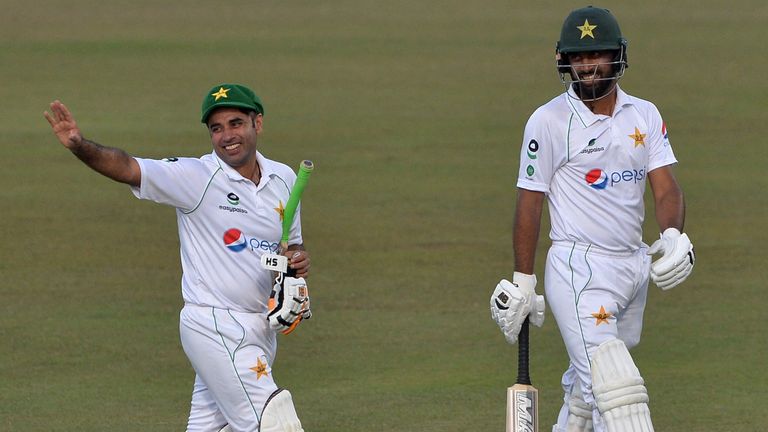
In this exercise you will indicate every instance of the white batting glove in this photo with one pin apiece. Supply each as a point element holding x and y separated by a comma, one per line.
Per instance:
<point>288,305</point>
<point>677,259</point>
<point>514,301</point>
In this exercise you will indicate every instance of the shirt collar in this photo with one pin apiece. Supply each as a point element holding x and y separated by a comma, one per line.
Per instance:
<point>266,166</point>
<point>622,100</point>
<point>587,117</point>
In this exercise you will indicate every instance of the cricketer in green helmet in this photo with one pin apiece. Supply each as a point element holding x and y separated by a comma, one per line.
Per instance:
<point>589,153</point>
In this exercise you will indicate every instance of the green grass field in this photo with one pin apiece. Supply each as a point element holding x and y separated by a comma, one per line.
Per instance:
<point>413,114</point>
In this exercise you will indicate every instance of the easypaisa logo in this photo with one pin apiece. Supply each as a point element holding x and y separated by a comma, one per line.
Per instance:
<point>533,148</point>
<point>234,201</point>
<point>233,198</point>
<point>591,148</point>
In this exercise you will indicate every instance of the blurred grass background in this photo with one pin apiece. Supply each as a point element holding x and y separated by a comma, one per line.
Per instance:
<point>413,114</point>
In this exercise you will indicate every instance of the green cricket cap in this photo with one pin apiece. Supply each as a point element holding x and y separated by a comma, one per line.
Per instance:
<point>590,29</point>
<point>230,95</point>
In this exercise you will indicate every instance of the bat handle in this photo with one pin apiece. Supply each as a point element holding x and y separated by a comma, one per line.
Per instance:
<point>523,374</point>
<point>289,272</point>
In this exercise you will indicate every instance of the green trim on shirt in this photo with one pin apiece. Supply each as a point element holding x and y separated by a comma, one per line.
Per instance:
<point>204,192</point>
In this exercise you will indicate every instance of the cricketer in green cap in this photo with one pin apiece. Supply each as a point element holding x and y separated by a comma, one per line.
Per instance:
<point>215,196</point>
<point>230,95</point>
<point>591,30</point>
<point>234,117</point>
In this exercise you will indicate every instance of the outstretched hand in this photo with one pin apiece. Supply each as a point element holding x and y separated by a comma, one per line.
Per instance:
<point>64,125</point>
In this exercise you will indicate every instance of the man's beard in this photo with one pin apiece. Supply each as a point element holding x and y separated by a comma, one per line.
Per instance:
<point>597,89</point>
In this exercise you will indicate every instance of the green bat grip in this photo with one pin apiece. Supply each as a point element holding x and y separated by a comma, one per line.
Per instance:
<point>293,201</point>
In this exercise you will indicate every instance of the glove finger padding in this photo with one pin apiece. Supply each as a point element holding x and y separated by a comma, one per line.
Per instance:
<point>675,276</point>
<point>538,307</point>
<point>288,304</point>
<point>676,262</point>
<point>508,304</point>
<point>512,302</point>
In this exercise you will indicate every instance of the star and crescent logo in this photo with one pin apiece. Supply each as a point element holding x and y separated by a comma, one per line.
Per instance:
<point>280,210</point>
<point>586,29</point>
<point>602,316</point>
<point>638,137</point>
<point>260,369</point>
<point>222,93</point>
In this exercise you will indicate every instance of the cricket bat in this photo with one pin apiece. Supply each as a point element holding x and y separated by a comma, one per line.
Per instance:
<point>305,169</point>
<point>277,261</point>
<point>523,398</point>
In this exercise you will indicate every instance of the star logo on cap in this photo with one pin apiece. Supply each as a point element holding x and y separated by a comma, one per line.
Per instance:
<point>602,316</point>
<point>260,369</point>
<point>638,137</point>
<point>280,210</point>
<point>586,29</point>
<point>222,93</point>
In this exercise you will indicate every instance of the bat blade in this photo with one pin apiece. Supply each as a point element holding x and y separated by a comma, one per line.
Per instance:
<point>522,408</point>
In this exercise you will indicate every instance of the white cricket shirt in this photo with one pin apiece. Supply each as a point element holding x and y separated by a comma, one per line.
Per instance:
<point>225,224</point>
<point>593,168</point>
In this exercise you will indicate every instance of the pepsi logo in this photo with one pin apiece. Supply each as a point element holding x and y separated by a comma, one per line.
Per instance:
<point>235,240</point>
<point>597,178</point>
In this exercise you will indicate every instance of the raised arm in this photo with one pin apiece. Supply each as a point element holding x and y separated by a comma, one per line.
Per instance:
<point>108,161</point>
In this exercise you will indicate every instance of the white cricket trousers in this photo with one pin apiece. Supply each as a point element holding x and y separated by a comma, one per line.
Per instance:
<point>232,353</point>
<point>595,296</point>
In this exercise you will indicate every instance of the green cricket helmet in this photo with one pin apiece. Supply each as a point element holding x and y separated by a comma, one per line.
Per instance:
<point>590,29</point>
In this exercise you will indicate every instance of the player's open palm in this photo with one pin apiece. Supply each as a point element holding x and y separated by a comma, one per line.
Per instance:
<point>64,126</point>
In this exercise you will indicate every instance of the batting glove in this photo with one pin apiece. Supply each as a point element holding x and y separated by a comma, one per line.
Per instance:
<point>677,259</point>
<point>288,305</point>
<point>514,301</point>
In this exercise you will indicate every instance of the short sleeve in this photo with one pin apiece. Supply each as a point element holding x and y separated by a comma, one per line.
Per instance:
<point>177,182</point>
<point>659,150</point>
<point>536,155</point>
